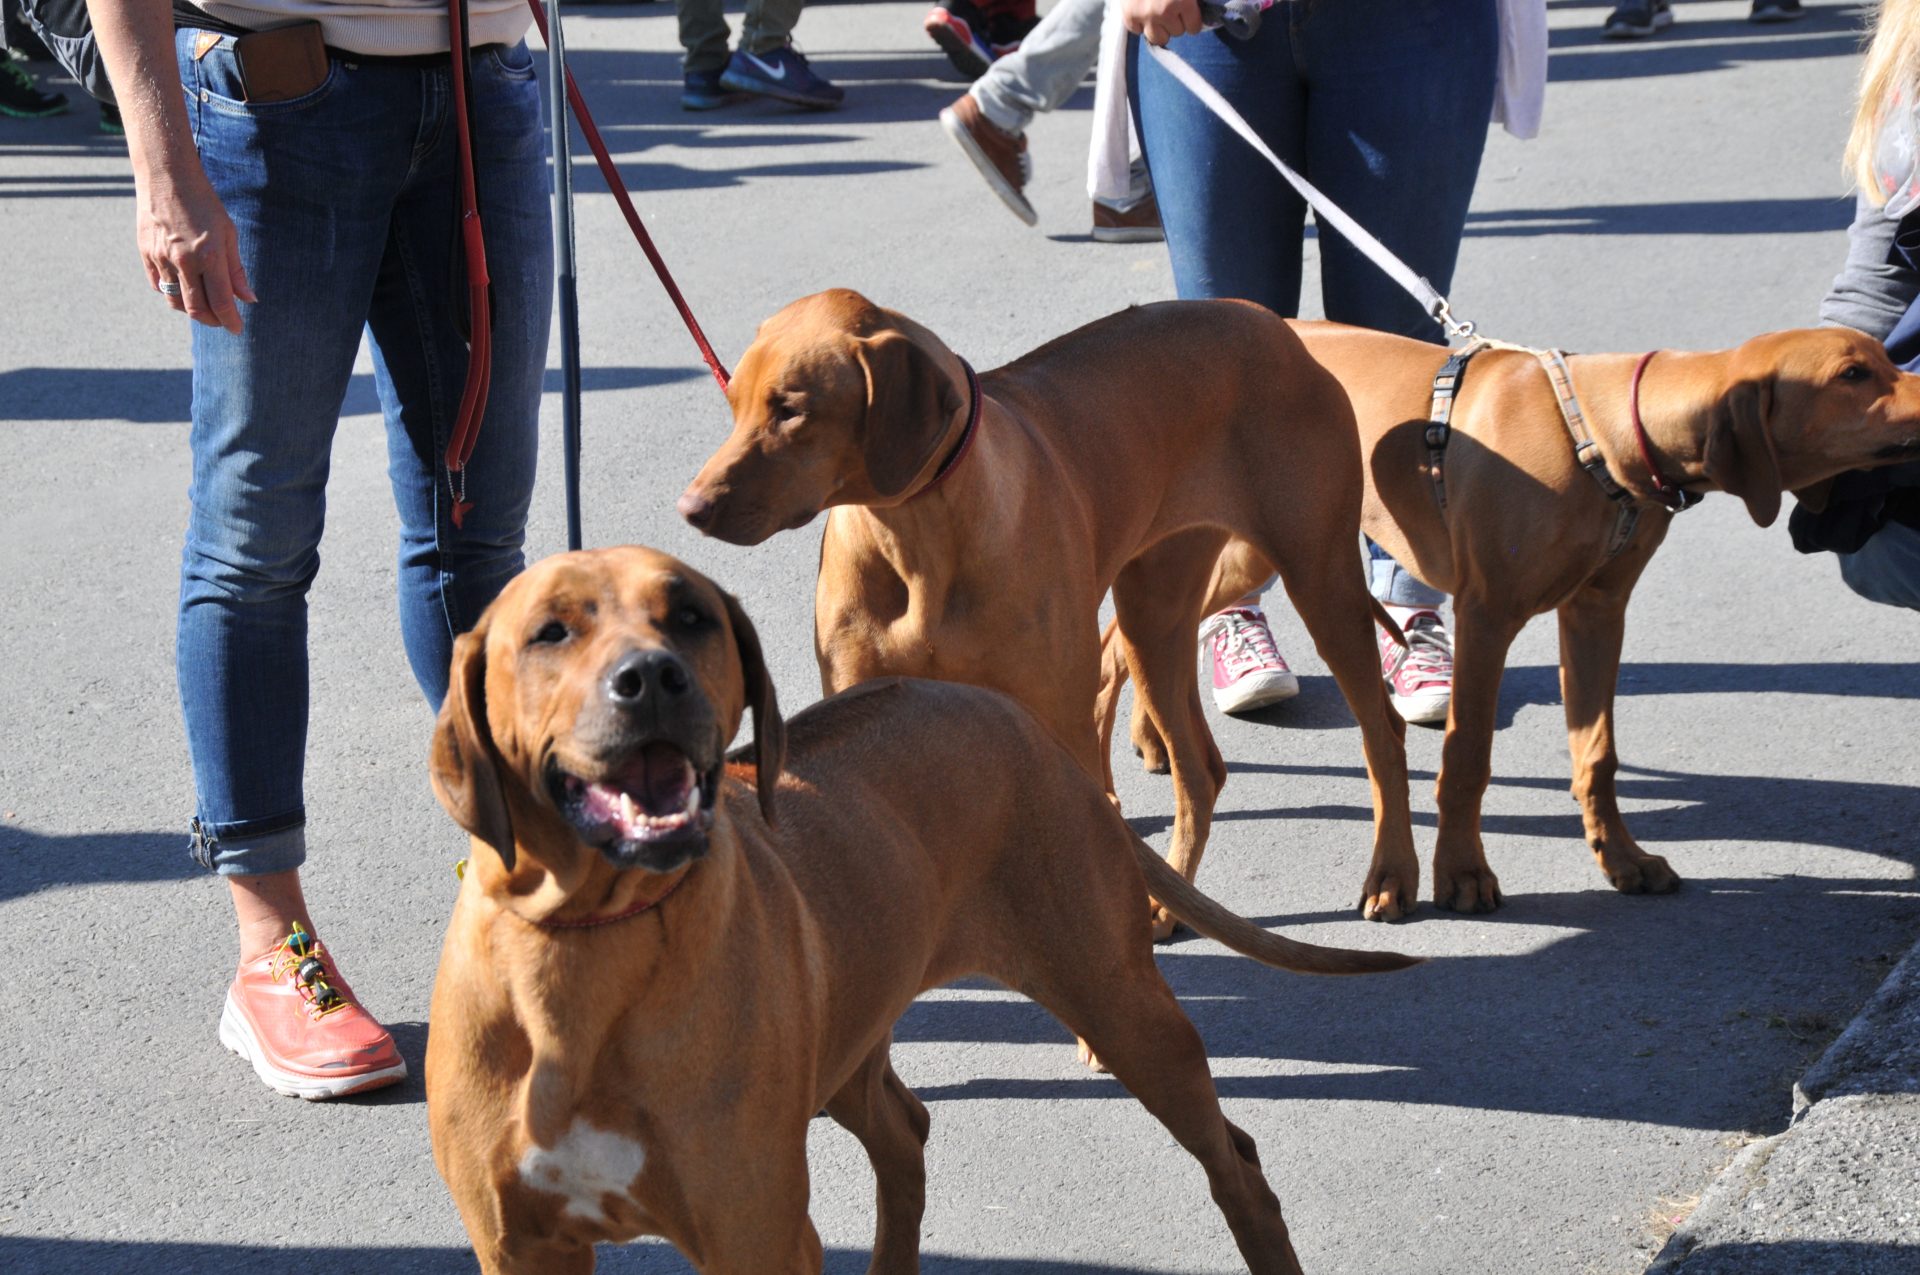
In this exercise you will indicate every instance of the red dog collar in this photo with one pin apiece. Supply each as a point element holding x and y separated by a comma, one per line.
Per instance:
<point>960,448</point>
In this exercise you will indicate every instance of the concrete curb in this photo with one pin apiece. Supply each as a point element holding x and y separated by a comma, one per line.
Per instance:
<point>1838,1192</point>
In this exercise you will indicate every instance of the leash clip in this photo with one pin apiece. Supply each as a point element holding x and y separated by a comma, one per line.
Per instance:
<point>1442,313</point>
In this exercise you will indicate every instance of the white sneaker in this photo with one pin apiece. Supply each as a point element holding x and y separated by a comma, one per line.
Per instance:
<point>1420,676</point>
<point>1248,672</point>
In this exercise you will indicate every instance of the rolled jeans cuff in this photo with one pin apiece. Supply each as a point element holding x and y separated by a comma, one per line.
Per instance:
<point>1394,585</point>
<point>251,848</point>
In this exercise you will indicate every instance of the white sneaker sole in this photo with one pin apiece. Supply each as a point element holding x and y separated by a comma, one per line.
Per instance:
<point>1421,710</point>
<point>1009,196</point>
<point>1128,234</point>
<point>1255,690</point>
<point>237,1035</point>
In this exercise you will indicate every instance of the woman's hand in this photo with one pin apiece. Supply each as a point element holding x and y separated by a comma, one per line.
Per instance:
<point>187,239</point>
<point>187,242</point>
<point>1161,20</point>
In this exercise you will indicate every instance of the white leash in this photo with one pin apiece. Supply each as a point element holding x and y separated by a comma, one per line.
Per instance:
<point>1325,210</point>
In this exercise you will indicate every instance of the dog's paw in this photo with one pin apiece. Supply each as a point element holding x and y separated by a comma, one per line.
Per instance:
<point>1470,889</point>
<point>1387,898</point>
<point>1165,923</point>
<point>1648,874</point>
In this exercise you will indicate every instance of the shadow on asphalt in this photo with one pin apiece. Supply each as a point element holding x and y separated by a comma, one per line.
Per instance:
<point>1690,46</point>
<point>1686,1006</point>
<point>1805,1257</point>
<point>29,1256</point>
<point>32,861</point>
<point>1679,217</point>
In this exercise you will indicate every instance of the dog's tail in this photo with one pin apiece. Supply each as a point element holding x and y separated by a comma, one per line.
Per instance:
<point>1218,922</point>
<point>1387,622</point>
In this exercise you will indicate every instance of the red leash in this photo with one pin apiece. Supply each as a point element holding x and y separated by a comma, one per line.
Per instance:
<point>473,394</point>
<point>619,189</point>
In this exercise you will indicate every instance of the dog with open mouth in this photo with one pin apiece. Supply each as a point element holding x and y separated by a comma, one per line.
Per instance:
<point>662,962</point>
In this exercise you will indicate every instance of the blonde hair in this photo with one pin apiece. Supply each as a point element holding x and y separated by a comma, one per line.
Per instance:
<point>1893,61</point>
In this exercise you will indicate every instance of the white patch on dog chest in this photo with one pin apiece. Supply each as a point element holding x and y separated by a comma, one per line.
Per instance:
<point>583,1166</point>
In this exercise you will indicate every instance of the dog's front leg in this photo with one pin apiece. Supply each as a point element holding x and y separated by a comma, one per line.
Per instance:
<point>1592,627</point>
<point>1462,879</point>
<point>878,1108</point>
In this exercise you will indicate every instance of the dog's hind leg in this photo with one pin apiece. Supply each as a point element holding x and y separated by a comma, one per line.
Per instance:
<point>1116,1000</point>
<point>878,1108</point>
<point>1154,609</point>
<point>1592,627</point>
<point>1329,591</point>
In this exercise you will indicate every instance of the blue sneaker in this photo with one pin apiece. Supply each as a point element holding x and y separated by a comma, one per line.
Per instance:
<point>702,91</point>
<point>780,73</point>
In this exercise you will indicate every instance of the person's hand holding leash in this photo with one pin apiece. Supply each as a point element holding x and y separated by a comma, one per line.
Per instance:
<point>1161,20</point>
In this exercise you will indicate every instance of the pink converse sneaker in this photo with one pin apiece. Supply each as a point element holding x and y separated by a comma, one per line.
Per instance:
<point>291,1016</point>
<point>1248,672</point>
<point>1421,676</point>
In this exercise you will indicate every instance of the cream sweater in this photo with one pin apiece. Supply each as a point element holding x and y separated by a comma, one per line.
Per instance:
<point>391,28</point>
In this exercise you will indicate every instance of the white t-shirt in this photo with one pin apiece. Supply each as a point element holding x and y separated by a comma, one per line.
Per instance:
<point>380,28</point>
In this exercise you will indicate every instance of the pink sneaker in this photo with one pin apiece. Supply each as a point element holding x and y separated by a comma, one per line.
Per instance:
<point>1248,672</point>
<point>1421,676</point>
<point>296,1021</point>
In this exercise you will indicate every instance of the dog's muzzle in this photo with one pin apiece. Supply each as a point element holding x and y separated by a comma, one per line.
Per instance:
<point>652,811</point>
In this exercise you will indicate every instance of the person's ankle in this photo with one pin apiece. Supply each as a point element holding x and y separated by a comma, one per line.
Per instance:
<point>260,938</point>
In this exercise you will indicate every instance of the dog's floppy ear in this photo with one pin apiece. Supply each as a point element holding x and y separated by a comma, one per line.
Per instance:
<point>1740,458</point>
<point>465,764</point>
<point>1815,498</point>
<point>769,728</point>
<point>909,400</point>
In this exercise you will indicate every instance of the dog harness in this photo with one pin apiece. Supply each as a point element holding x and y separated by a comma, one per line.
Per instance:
<point>1586,450</point>
<point>1446,386</point>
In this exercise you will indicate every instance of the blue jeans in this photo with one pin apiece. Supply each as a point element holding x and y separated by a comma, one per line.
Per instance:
<point>1382,104</point>
<point>1887,568</point>
<point>344,204</point>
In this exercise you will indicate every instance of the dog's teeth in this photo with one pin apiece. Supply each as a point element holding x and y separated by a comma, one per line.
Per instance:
<point>629,813</point>
<point>693,800</point>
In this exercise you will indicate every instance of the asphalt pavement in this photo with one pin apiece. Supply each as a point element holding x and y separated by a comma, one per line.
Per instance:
<point>1556,1090</point>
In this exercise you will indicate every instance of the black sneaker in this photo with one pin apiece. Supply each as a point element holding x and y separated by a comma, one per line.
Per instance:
<point>702,91</point>
<point>1638,18</point>
<point>21,98</point>
<point>1005,32</point>
<point>781,73</point>
<point>1776,11</point>
<point>110,120</point>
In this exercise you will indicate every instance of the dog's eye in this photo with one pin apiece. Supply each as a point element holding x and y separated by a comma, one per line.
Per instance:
<point>1854,372</point>
<point>689,617</point>
<point>550,633</point>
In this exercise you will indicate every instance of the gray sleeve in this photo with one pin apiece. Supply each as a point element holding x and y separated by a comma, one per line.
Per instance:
<point>1871,292</point>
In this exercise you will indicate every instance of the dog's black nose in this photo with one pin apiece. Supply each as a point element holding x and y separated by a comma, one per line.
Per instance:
<point>643,674</point>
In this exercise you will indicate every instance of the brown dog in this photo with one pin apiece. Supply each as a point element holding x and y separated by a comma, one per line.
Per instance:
<point>1525,530</point>
<point>655,975</point>
<point>976,525</point>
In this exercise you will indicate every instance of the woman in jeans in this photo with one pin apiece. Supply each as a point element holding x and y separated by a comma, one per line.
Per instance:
<point>1383,105</point>
<point>284,229</point>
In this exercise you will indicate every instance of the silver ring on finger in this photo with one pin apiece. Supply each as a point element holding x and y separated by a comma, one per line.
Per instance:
<point>168,288</point>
